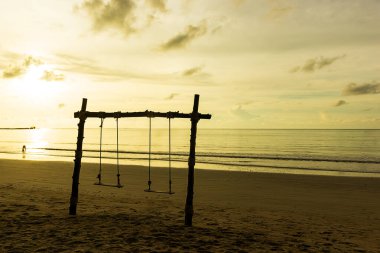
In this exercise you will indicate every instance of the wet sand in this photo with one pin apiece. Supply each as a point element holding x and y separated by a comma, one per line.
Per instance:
<point>233,211</point>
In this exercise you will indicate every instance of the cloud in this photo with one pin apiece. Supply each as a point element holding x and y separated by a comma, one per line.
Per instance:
<point>240,112</point>
<point>114,14</point>
<point>279,12</point>
<point>278,9</point>
<point>70,63</point>
<point>340,103</point>
<point>103,72</point>
<point>248,102</point>
<point>52,76</point>
<point>171,96</point>
<point>30,60</point>
<point>238,2</point>
<point>314,64</point>
<point>183,39</point>
<point>295,69</point>
<point>195,73</point>
<point>15,70</point>
<point>192,71</point>
<point>159,5</point>
<point>361,89</point>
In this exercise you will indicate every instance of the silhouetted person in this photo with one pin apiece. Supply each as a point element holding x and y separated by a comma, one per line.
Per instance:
<point>23,149</point>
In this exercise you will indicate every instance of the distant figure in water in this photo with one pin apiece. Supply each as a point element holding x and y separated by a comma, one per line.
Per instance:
<point>23,151</point>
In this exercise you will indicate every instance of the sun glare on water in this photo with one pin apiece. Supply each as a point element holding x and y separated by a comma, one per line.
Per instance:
<point>37,140</point>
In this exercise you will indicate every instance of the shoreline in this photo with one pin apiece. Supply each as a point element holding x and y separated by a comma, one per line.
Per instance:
<point>233,211</point>
<point>260,168</point>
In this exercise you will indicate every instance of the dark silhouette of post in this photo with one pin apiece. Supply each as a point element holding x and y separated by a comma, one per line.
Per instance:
<point>78,159</point>
<point>190,179</point>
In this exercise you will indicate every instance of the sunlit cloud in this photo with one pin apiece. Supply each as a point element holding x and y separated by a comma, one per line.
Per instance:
<point>361,89</point>
<point>248,102</point>
<point>183,39</point>
<point>113,14</point>
<point>171,96</point>
<point>159,5</point>
<point>30,60</point>
<point>15,70</point>
<point>278,12</point>
<point>314,64</point>
<point>278,9</point>
<point>243,113</point>
<point>86,66</point>
<point>238,2</point>
<point>102,72</point>
<point>192,71</point>
<point>195,73</point>
<point>50,75</point>
<point>340,103</point>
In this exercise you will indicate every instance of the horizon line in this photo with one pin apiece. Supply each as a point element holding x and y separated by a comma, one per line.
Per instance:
<point>37,128</point>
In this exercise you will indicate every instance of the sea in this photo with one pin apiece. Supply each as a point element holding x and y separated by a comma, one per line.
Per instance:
<point>353,152</point>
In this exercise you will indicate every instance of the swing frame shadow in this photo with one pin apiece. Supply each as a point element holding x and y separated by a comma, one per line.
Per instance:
<point>194,117</point>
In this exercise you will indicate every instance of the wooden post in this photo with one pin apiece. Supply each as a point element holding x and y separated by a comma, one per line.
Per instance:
<point>190,178</point>
<point>78,159</point>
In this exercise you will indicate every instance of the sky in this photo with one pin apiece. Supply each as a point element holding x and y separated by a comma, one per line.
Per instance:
<point>255,64</point>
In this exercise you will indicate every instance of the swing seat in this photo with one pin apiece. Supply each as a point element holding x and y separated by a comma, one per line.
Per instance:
<point>109,185</point>
<point>154,191</point>
<point>149,159</point>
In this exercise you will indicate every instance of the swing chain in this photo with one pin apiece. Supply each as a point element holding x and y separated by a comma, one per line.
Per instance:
<point>170,160</point>
<point>169,116</point>
<point>149,153</point>
<point>100,151</point>
<point>117,150</point>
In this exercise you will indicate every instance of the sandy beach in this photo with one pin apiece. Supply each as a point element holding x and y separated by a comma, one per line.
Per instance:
<point>233,211</point>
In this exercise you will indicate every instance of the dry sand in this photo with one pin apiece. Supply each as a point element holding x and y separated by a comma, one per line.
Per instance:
<point>234,211</point>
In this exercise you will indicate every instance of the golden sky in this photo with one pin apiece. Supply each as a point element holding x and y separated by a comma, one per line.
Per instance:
<point>256,64</point>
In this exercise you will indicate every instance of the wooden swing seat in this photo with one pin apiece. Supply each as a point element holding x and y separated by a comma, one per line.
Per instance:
<point>109,185</point>
<point>154,191</point>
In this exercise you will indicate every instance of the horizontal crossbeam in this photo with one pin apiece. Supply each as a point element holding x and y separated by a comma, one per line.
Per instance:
<point>149,114</point>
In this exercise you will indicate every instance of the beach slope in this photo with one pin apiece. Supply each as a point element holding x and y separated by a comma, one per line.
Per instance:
<point>233,211</point>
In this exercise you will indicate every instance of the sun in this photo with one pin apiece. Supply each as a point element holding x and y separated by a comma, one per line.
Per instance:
<point>38,84</point>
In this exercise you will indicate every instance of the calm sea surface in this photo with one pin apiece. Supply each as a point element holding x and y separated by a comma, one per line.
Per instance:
<point>324,152</point>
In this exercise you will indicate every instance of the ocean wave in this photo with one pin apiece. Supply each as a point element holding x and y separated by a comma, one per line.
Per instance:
<point>231,156</point>
<point>245,165</point>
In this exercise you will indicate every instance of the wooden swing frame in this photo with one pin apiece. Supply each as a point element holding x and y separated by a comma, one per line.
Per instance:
<point>194,117</point>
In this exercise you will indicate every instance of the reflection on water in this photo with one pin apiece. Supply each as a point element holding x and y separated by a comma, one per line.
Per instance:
<point>37,139</point>
<point>289,151</point>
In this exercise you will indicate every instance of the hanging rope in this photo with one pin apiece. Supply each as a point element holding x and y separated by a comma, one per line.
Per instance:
<point>170,160</point>
<point>117,152</point>
<point>149,152</point>
<point>100,152</point>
